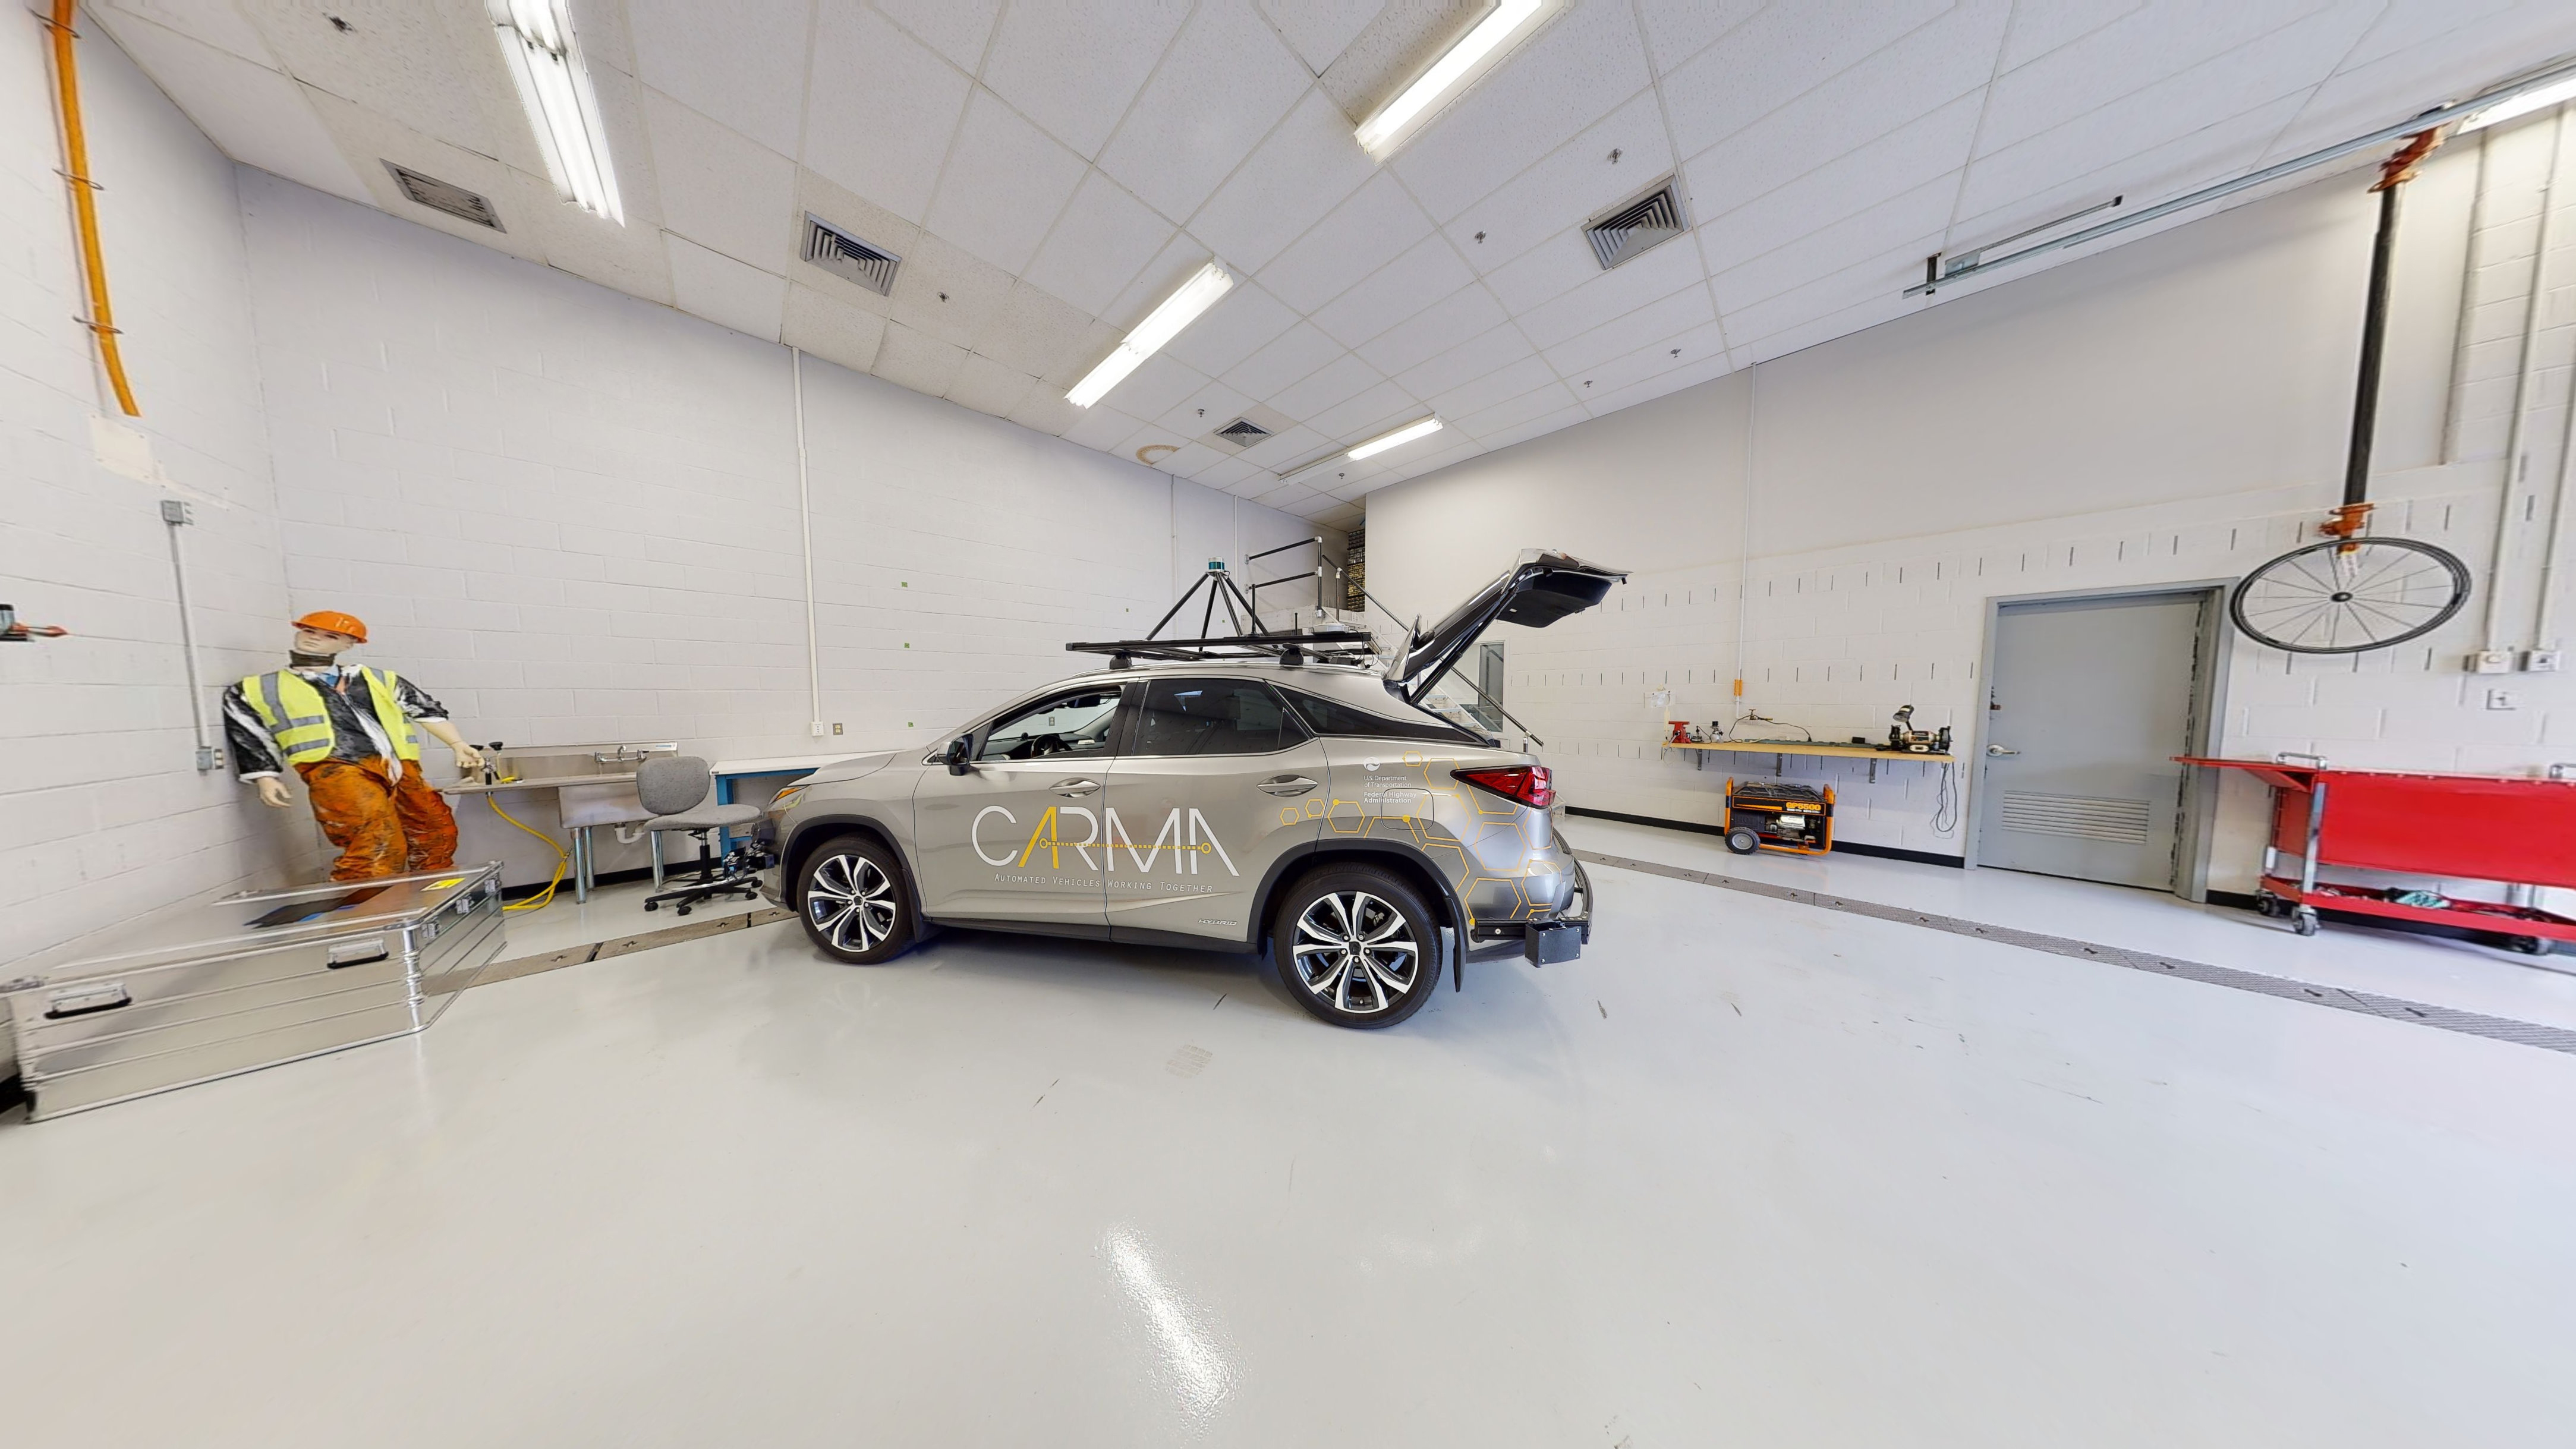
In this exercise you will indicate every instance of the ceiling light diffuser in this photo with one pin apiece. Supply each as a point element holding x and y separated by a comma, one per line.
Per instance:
<point>537,42</point>
<point>1161,325</point>
<point>1396,439</point>
<point>1461,66</point>
<point>2521,105</point>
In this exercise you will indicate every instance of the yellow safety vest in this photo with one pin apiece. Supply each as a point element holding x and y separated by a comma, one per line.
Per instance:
<point>292,708</point>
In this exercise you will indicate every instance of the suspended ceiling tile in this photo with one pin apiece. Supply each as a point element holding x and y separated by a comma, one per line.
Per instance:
<point>1574,71</point>
<point>2139,54</point>
<point>1611,375</point>
<point>2040,29</point>
<point>1545,272</point>
<point>1226,81</point>
<point>1242,322</point>
<point>721,289</point>
<point>1298,174</point>
<point>957,29</point>
<point>216,23</point>
<point>1676,30</point>
<point>742,64</point>
<point>1898,164</point>
<point>255,115</point>
<point>405,62</point>
<point>1319,30</point>
<point>1101,426</point>
<point>2224,148</point>
<point>722,189</point>
<point>1293,356</point>
<point>943,291</point>
<point>1379,408</point>
<point>883,110</point>
<point>1540,401</point>
<point>918,361</point>
<point>1777,56</point>
<point>1232,475</point>
<point>1362,234</point>
<point>1400,290</point>
<point>1211,407</point>
<point>1157,386</point>
<point>1038,334</point>
<point>1073,66</point>
<point>1286,450</point>
<point>1479,356</point>
<point>827,325</point>
<point>989,387</point>
<point>1568,186</point>
<point>367,140</point>
<point>1046,410</point>
<point>1467,313</point>
<point>1501,385</point>
<point>1521,432</point>
<point>1005,183</point>
<point>1099,244</point>
<point>1911,220</point>
<point>1668,378</point>
<point>1624,288</point>
<point>1325,386</point>
<point>1288,498</point>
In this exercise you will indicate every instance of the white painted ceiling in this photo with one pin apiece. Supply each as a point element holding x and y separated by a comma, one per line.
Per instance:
<point>1049,169</point>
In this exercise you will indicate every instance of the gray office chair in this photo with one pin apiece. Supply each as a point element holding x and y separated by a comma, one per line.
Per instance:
<point>675,788</point>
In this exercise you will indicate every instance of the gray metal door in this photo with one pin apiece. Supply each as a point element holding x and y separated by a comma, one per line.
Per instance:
<point>1217,781</point>
<point>2090,700</point>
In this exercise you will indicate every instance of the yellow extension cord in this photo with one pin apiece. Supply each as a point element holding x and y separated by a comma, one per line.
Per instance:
<point>547,895</point>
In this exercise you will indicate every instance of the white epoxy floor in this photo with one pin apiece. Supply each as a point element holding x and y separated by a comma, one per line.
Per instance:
<point>1748,1173</point>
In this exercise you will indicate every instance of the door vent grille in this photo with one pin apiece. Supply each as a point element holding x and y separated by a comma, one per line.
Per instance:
<point>1637,227</point>
<point>445,196</point>
<point>2084,817</point>
<point>844,255</point>
<point>1242,432</point>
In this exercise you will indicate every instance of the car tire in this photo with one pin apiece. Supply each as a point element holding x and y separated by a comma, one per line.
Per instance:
<point>1342,905</point>
<point>850,896</point>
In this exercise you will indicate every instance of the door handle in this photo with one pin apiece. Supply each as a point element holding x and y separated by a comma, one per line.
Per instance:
<point>1286,785</point>
<point>1999,751</point>
<point>1071,789</point>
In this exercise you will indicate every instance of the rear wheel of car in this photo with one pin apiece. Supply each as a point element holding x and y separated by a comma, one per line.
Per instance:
<point>1356,946</point>
<point>850,896</point>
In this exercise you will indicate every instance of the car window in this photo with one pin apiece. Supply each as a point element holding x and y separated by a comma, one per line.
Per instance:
<point>1327,717</point>
<point>1213,717</point>
<point>1068,724</point>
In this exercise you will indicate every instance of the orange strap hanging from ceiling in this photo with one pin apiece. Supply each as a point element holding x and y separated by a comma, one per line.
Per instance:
<point>85,205</point>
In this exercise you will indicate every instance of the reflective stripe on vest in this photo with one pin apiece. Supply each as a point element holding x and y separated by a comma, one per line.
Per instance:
<point>292,709</point>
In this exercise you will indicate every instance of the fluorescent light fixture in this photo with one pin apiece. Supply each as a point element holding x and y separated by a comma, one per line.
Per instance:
<point>1396,439</point>
<point>1161,325</point>
<point>2529,101</point>
<point>1462,66</point>
<point>536,40</point>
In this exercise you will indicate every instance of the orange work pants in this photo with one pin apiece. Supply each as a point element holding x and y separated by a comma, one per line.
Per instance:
<point>382,827</point>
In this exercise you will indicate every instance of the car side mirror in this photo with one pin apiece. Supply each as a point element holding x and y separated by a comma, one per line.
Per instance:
<point>958,749</point>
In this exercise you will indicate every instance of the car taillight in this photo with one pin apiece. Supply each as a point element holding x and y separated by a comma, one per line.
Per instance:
<point>1527,784</point>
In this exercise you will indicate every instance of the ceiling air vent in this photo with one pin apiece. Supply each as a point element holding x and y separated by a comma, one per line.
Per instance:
<point>844,255</point>
<point>1243,432</point>
<point>445,196</point>
<point>1637,227</point>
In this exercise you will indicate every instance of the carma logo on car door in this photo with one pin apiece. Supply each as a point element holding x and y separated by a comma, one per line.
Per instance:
<point>1186,837</point>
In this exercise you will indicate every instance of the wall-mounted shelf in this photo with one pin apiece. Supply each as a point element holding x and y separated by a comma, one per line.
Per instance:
<point>1799,747</point>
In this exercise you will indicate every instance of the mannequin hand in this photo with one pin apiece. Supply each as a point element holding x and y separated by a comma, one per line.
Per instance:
<point>468,758</point>
<point>272,792</point>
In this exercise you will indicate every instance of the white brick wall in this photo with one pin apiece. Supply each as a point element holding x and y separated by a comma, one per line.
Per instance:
<point>106,814</point>
<point>2170,411</point>
<point>573,515</point>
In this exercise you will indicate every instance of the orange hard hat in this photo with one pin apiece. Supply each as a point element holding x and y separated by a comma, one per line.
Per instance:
<point>336,622</point>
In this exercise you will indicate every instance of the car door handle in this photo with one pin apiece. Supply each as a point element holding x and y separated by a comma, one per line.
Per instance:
<point>1286,785</point>
<point>1071,789</point>
<point>1999,751</point>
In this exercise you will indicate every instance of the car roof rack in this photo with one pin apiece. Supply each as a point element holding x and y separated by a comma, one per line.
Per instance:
<point>1339,644</point>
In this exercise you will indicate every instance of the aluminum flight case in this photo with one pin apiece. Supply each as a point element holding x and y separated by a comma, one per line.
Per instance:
<point>246,981</point>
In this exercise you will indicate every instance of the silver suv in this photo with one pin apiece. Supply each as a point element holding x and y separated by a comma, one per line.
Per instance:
<point>1247,794</point>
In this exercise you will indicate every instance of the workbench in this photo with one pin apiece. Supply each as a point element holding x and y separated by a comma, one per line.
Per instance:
<point>1815,748</point>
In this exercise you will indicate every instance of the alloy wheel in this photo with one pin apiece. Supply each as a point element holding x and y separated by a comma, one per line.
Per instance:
<point>1357,952</point>
<point>851,902</point>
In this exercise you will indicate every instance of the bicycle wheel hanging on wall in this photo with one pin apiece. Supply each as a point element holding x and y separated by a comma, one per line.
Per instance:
<point>2347,595</point>
<point>2353,592</point>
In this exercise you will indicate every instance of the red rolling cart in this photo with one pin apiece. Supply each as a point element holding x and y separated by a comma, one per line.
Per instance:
<point>2516,830</point>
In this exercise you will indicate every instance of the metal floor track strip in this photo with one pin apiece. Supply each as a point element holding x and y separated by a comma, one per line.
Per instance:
<point>512,970</point>
<point>2367,1003</point>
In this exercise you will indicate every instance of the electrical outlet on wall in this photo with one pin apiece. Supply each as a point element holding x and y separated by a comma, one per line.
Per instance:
<point>2540,661</point>
<point>2504,699</point>
<point>2491,661</point>
<point>815,727</point>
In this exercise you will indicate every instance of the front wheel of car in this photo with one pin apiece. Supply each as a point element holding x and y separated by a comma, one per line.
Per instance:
<point>850,896</point>
<point>1356,946</point>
